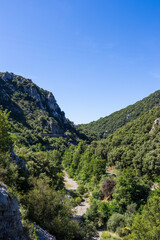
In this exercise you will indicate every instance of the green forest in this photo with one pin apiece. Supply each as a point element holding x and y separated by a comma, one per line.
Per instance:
<point>118,172</point>
<point>103,127</point>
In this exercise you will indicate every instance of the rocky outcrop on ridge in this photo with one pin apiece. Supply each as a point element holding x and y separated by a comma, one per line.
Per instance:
<point>27,103</point>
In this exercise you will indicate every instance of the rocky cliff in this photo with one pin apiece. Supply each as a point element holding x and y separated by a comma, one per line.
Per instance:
<point>10,223</point>
<point>30,105</point>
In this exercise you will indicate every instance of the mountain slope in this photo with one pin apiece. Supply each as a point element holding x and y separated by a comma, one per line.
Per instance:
<point>135,145</point>
<point>34,111</point>
<point>107,125</point>
<point>27,101</point>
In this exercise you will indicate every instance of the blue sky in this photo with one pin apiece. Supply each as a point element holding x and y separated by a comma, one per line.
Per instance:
<point>96,56</point>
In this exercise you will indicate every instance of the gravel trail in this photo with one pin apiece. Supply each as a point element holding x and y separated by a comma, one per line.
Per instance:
<point>81,209</point>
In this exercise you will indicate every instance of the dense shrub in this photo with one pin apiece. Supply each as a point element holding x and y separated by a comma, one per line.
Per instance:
<point>146,225</point>
<point>115,221</point>
<point>51,210</point>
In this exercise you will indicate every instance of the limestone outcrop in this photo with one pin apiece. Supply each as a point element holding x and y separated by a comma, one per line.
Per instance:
<point>23,98</point>
<point>10,223</point>
<point>156,122</point>
<point>18,161</point>
<point>7,75</point>
<point>44,235</point>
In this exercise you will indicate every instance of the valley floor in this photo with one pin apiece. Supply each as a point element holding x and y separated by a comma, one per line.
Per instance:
<point>81,209</point>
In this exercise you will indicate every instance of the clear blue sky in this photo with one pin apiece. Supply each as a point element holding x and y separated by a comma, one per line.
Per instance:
<point>96,56</point>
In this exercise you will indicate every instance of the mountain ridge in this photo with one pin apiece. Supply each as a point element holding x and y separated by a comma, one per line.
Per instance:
<point>33,110</point>
<point>105,126</point>
<point>31,91</point>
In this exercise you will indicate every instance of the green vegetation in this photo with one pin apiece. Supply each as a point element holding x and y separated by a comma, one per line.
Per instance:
<point>130,146</point>
<point>39,187</point>
<point>103,127</point>
<point>37,118</point>
<point>7,169</point>
<point>107,236</point>
<point>119,174</point>
<point>134,151</point>
<point>146,225</point>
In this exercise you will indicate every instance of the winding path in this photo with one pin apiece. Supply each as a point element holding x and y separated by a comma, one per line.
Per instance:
<point>81,209</point>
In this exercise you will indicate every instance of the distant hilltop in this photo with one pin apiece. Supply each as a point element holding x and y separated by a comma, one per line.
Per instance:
<point>103,127</point>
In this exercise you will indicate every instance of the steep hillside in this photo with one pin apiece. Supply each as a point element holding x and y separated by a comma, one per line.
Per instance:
<point>136,144</point>
<point>36,177</point>
<point>103,127</point>
<point>122,172</point>
<point>33,109</point>
<point>31,105</point>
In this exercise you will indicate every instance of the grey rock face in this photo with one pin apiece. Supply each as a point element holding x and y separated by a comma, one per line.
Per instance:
<point>13,86</point>
<point>44,235</point>
<point>56,111</point>
<point>156,122</point>
<point>19,161</point>
<point>33,92</point>
<point>52,102</point>
<point>6,76</point>
<point>10,223</point>
<point>55,129</point>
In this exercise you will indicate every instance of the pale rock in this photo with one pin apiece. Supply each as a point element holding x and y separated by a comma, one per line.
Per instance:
<point>10,223</point>
<point>6,76</point>
<point>44,235</point>
<point>55,129</point>
<point>52,102</point>
<point>34,93</point>
<point>156,122</point>
<point>19,161</point>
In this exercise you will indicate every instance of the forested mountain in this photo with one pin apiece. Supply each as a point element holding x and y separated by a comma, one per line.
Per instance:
<point>33,110</point>
<point>118,174</point>
<point>134,145</point>
<point>122,172</point>
<point>30,105</point>
<point>33,136</point>
<point>103,127</point>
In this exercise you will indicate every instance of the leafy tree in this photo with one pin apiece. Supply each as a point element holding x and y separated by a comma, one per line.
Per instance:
<point>115,221</point>
<point>8,173</point>
<point>128,190</point>
<point>5,139</point>
<point>92,214</point>
<point>51,210</point>
<point>147,225</point>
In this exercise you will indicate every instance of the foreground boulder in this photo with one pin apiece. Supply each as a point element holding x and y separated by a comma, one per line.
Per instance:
<point>44,235</point>
<point>10,223</point>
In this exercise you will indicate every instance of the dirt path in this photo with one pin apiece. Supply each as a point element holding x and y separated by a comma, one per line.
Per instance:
<point>81,209</point>
<point>70,184</point>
